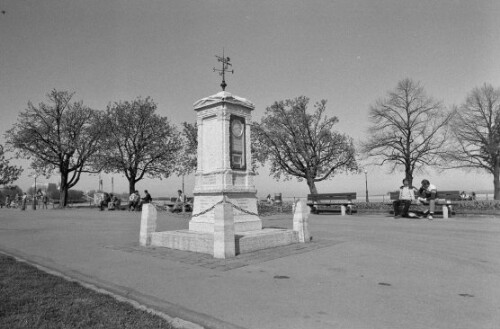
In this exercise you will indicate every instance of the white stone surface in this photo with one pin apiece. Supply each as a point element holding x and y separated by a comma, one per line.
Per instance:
<point>214,177</point>
<point>224,243</point>
<point>148,224</point>
<point>242,221</point>
<point>300,220</point>
<point>222,96</point>
<point>184,240</point>
<point>445,211</point>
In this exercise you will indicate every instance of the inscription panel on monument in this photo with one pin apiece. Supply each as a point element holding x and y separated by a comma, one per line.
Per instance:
<point>211,144</point>
<point>209,180</point>
<point>238,180</point>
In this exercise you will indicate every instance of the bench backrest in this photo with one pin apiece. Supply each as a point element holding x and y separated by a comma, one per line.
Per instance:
<point>332,197</point>
<point>394,195</point>
<point>447,195</point>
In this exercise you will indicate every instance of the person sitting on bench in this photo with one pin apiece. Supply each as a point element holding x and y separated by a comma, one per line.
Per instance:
<point>180,202</point>
<point>427,194</point>
<point>406,196</point>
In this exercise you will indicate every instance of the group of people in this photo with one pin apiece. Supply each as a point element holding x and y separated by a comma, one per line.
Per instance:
<point>20,200</point>
<point>110,201</point>
<point>135,201</point>
<point>465,196</point>
<point>426,194</point>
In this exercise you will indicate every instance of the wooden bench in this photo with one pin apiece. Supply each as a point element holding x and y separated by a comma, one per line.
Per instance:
<point>330,201</point>
<point>168,204</point>
<point>445,199</point>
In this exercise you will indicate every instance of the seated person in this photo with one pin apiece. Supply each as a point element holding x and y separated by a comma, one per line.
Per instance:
<point>180,202</point>
<point>147,197</point>
<point>114,203</point>
<point>269,200</point>
<point>349,207</point>
<point>406,196</point>
<point>138,201</point>
<point>104,201</point>
<point>133,200</point>
<point>427,194</point>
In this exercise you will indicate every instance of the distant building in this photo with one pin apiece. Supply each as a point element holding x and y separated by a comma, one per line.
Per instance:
<point>45,187</point>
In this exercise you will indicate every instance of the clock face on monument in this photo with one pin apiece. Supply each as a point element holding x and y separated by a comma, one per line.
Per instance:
<point>237,128</point>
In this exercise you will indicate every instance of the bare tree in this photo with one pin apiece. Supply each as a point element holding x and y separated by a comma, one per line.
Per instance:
<point>139,142</point>
<point>59,136</point>
<point>476,134</point>
<point>302,145</point>
<point>408,130</point>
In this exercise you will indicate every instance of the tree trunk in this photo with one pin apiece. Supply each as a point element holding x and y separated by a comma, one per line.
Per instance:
<point>409,175</point>
<point>63,195</point>
<point>496,182</point>
<point>131,185</point>
<point>312,186</point>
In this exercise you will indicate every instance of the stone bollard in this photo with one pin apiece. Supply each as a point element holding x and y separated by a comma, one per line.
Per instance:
<point>300,218</point>
<point>224,243</point>
<point>148,224</point>
<point>445,211</point>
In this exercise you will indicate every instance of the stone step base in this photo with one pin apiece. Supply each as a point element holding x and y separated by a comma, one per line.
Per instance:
<point>204,242</point>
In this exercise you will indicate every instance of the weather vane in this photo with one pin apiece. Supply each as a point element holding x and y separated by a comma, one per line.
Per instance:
<point>225,68</point>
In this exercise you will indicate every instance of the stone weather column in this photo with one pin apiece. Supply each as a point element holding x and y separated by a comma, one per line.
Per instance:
<point>224,163</point>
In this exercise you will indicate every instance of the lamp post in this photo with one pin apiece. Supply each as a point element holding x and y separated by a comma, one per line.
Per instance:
<point>366,184</point>
<point>34,192</point>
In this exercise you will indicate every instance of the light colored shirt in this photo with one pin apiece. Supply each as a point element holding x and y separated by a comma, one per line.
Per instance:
<point>406,193</point>
<point>431,188</point>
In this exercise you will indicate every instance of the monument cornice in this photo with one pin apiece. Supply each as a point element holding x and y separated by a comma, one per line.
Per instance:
<point>222,97</point>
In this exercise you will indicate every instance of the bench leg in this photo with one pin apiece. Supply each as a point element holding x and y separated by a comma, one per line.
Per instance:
<point>342,210</point>
<point>445,211</point>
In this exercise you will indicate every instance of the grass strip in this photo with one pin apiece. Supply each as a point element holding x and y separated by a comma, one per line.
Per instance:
<point>31,298</point>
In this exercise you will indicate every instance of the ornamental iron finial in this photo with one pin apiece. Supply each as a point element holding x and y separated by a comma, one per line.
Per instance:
<point>225,68</point>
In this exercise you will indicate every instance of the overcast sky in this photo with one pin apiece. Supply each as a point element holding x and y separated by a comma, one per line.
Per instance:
<point>347,52</point>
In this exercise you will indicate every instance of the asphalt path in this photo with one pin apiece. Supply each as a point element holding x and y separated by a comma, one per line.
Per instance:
<point>358,272</point>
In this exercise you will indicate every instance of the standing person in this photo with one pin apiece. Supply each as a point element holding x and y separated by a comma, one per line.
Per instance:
<point>427,194</point>
<point>45,200</point>
<point>39,194</point>
<point>406,196</point>
<point>147,197</point>
<point>24,199</point>
<point>7,201</point>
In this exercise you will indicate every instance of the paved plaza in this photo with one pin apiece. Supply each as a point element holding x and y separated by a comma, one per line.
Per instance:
<point>361,271</point>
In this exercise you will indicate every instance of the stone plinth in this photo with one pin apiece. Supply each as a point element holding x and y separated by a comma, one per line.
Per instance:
<point>148,224</point>
<point>224,244</point>
<point>244,242</point>
<point>300,220</point>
